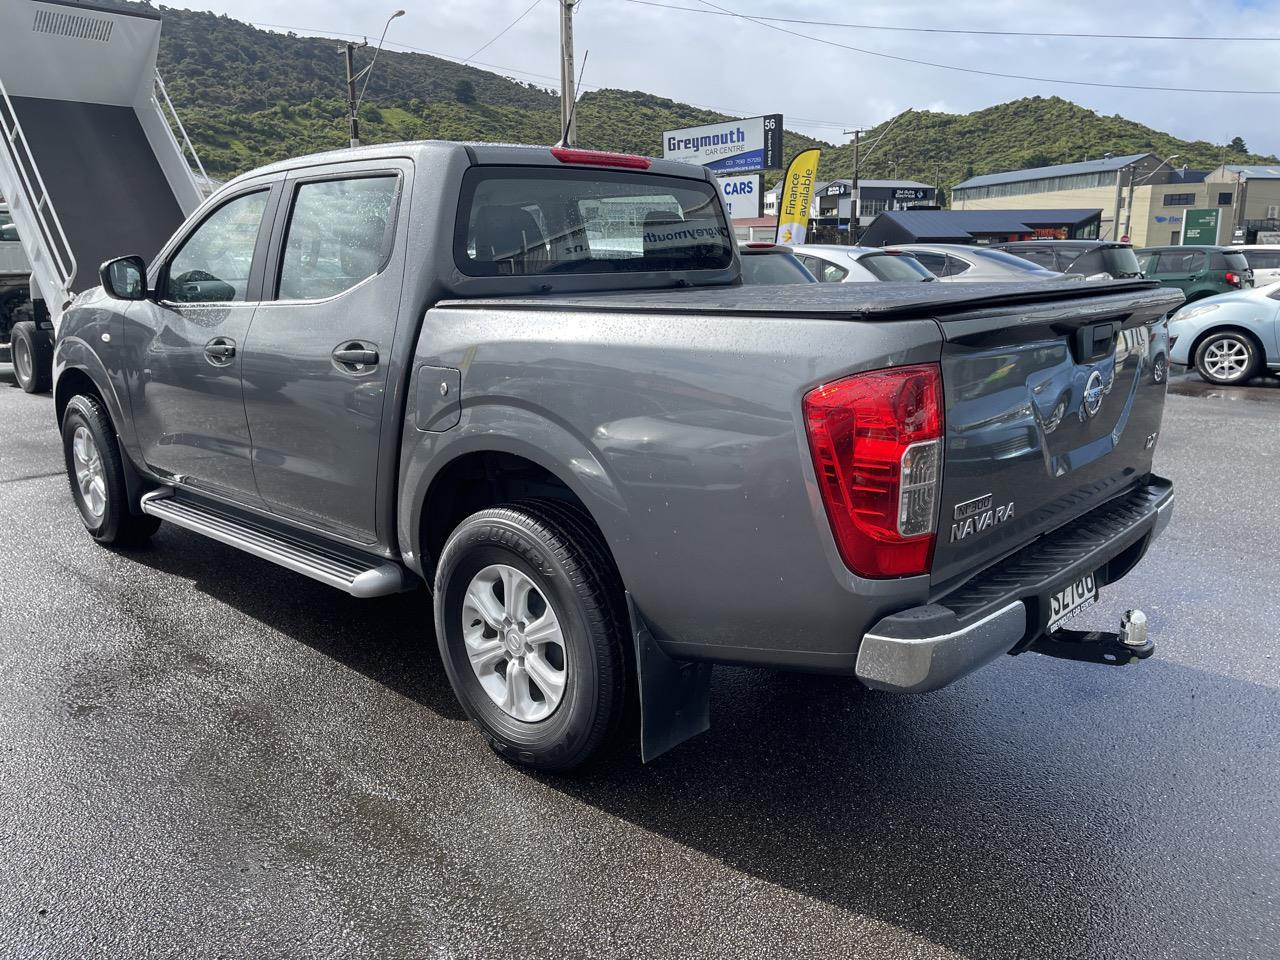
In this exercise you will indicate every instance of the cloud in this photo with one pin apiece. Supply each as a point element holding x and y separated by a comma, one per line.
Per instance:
<point>742,67</point>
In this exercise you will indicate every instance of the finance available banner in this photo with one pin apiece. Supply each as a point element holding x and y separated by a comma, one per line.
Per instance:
<point>797,194</point>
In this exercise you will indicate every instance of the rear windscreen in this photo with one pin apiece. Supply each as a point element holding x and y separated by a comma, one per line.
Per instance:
<point>774,268</point>
<point>521,221</point>
<point>891,266</point>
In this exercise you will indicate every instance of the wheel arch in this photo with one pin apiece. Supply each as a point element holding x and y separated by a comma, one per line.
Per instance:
<point>476,468</point>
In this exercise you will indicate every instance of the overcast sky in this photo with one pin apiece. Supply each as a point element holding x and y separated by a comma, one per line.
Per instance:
<point>741,67</point>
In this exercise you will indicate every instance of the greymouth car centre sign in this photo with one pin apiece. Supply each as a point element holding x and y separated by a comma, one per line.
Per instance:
<point>735,146</point>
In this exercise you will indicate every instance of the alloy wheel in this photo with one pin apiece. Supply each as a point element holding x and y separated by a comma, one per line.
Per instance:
<point>1227,358</point>
<point>515,643</point>
<point>90,476</point>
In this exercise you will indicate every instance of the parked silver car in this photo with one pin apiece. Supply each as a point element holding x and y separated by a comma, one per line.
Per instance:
<point>956,263</point>
<point>832,263</point>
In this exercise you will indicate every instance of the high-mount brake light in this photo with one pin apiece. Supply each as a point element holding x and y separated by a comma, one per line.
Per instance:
<point>876,441</point>
<point>759,244</point>
<point>600,158</point>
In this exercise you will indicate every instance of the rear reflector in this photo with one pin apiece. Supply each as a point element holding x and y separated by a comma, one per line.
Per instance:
<point>876,440</point>
<point>599,158</point>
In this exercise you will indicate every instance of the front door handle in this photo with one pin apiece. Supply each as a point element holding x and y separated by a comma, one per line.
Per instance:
<point>220,350</point>
<point>355,354</point>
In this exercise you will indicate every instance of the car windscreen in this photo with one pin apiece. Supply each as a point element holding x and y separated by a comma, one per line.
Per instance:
<point>521,221</point>
<point>895,266</point>
<point>773,268</point>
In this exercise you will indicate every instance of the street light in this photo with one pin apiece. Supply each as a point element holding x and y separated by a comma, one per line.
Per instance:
<point>1128,207</point>
<point>353,102</point>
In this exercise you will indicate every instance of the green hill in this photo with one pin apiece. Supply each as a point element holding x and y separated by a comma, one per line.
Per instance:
<point>1032,132</point>
<point>249,96</point>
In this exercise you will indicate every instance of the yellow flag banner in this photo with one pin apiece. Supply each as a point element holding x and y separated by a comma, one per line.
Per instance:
<point>797,192</point>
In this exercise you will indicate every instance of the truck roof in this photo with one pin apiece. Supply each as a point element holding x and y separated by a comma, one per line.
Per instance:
<point>823,300</point>
<point>514,154</point>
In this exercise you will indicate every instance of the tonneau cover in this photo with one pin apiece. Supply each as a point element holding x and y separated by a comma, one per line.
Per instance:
<point>824,299</point>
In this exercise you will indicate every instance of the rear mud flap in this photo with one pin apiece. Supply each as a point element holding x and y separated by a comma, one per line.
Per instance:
<point>675,695</point>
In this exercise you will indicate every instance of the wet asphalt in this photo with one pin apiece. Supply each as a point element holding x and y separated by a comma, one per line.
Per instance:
<point>202,755</point>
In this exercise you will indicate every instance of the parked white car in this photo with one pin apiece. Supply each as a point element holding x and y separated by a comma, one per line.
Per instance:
<point>832,263</point>
<point>1264,260</point>
<point>953,262</point>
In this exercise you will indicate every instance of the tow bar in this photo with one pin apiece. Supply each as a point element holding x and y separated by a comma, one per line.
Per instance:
<point>1129,645</point>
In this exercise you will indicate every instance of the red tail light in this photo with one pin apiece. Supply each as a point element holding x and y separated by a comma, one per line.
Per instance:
<point>876,440</point>
<point>599,158</point>
<point>1233,278</point>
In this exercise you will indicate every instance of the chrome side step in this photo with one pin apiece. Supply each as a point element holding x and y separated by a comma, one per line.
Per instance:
<point>356,575</point>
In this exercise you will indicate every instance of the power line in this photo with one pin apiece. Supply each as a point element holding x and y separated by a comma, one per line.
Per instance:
<point>502,32</point>
<point>981,33</point>
<point>974,70</point>
<point>807,121</point>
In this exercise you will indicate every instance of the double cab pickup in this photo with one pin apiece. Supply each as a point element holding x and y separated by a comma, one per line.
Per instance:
<point>530,381</point>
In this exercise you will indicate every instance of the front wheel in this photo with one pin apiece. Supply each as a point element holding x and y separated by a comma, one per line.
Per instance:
<point>528,615</point>
<point>96,472</point>
<point>1227,358</point>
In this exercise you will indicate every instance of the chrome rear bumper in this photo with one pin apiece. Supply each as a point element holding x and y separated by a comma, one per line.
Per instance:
<point>930,646</point>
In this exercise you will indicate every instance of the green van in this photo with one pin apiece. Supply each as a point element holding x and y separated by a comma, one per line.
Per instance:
<point>1198,272</point>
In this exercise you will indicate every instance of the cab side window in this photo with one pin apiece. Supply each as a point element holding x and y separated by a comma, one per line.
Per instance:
<point>339,234</point>
<point>214,262</point>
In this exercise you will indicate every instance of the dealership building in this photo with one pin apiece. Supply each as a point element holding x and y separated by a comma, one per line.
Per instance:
<point>832,200</point>
<point>1140,196</point>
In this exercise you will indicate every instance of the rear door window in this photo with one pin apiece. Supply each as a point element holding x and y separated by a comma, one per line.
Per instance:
<point>1180,261</point>
<point>519,221</point>
<point>824,270</point>
<point>339,234</point>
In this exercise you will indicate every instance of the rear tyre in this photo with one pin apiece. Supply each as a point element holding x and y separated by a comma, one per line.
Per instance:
<point>96,473</point>
<point>1227,358</point>
<point>32,357</point>
<point>528,614</point>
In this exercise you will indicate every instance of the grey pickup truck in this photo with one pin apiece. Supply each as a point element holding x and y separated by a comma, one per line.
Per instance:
<point>530,380</point>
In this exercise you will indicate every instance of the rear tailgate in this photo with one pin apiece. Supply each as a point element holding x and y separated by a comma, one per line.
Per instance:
<point>1051,410</point>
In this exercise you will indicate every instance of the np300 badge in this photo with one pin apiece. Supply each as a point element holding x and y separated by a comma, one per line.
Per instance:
<point>978,516</point>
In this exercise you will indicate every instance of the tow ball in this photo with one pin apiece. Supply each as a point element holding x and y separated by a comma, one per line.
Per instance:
<point>1129,645</point>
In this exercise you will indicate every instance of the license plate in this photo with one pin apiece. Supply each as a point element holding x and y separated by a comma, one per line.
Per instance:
<point>1066,603</point>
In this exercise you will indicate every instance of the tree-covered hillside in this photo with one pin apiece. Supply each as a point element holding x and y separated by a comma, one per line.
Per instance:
<point>1032,132</point>
<point>248,96</point>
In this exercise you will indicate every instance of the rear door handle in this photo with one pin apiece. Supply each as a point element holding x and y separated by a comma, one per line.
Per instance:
<point>220,350</point>
<point>355,354</point>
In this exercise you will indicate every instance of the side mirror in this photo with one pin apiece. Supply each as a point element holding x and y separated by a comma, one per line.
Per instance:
<point>125,278</point>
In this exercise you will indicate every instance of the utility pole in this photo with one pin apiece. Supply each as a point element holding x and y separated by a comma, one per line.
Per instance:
<point>853,192</point>
<point>568,124</point>
<point>353,108</point>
